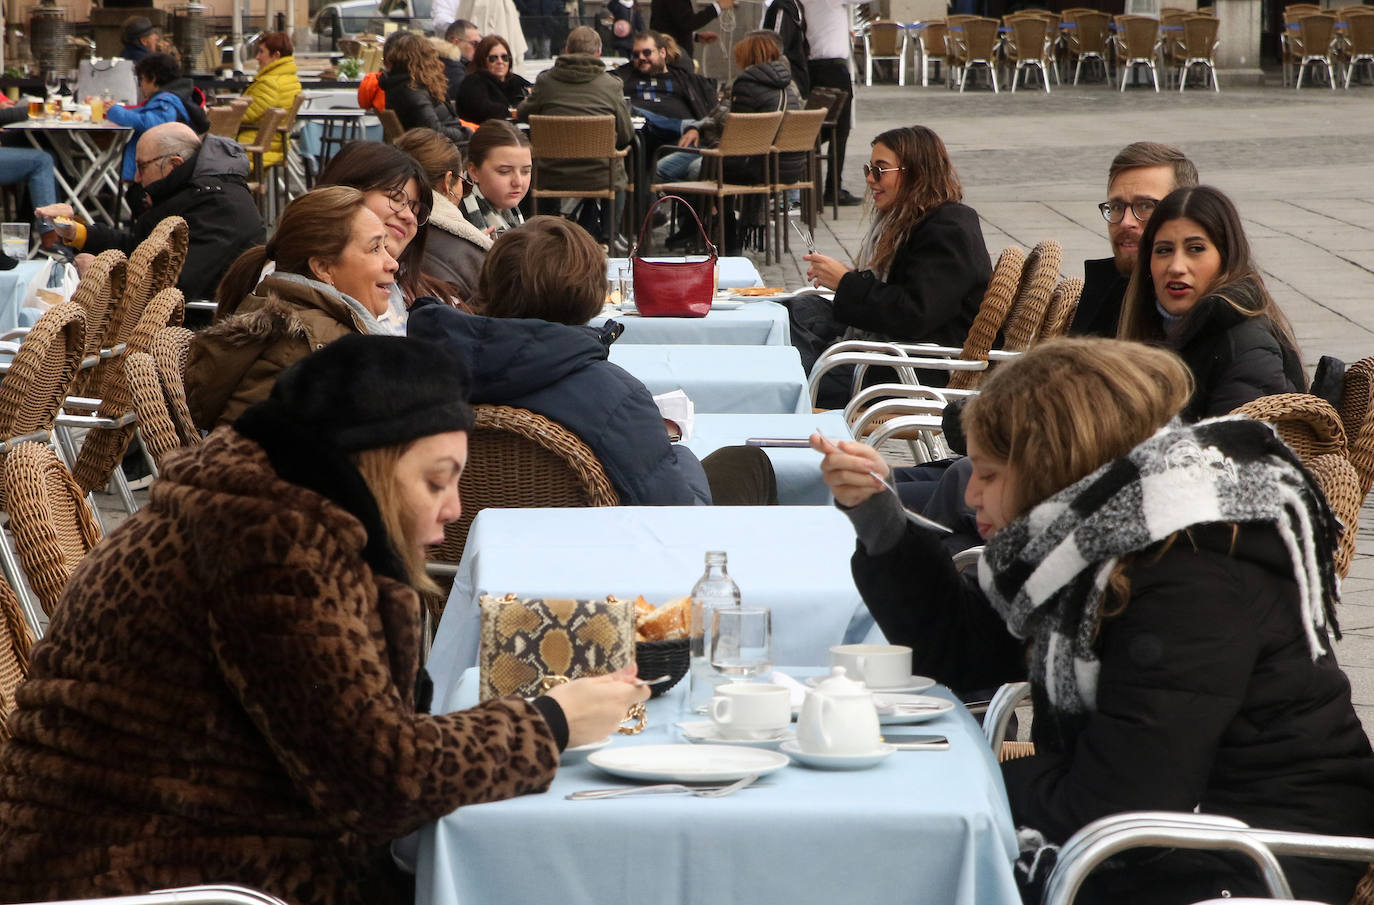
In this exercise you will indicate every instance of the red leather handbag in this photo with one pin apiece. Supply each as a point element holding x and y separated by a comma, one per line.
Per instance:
<point>673,288</point>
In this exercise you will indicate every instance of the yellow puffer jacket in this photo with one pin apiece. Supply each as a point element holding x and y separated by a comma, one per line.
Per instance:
<point>275,86</point>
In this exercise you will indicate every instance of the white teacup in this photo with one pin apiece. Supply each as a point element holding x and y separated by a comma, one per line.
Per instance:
<point>876,665</point>
<point>747,711</point>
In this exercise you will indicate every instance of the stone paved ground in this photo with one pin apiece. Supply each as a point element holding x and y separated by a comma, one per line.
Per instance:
<point>1300,166</point>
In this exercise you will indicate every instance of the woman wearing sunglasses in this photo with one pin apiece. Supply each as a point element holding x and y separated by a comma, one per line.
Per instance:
<point>922,268</point>
<point>491,89</point>
<point>416,86</point>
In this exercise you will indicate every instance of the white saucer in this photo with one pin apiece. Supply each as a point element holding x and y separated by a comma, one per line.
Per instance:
<point>573,755</point>
<point>896,709</point>
<point>728,304</point>
<point>914,684</point>
<point>705,731</point>
<point>838,761</point>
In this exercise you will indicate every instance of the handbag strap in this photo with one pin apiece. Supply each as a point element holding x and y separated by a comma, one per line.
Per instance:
<point>649,219</point>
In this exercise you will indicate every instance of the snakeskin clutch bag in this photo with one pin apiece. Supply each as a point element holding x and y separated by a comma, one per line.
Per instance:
<point>525,641</point>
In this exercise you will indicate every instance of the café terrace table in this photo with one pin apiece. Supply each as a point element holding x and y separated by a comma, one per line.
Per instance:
<point>323,131</point>
<point>920,827</point>
<point>79,152</point>
<point>756,323</point>
<point>798,471</point>
<point>742,379</point>
<point>733,272</point>
<point>794,559</point>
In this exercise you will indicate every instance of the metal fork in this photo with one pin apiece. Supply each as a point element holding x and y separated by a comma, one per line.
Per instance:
<point>808,237</point>
<point>915,518</point>
<point>664,788</point>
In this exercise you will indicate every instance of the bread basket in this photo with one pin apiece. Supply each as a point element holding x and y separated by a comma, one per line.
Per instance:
<point>658,658</point>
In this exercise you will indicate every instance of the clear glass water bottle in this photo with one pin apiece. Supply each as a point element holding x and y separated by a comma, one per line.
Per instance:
<point>714,589</point>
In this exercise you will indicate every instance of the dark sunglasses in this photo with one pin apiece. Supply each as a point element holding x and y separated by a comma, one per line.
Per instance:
<point>644,53</point>
<point>498,58</point>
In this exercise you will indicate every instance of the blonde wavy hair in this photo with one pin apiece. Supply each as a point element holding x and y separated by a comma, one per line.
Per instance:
<point>378,468</point>
<point>412,52</point>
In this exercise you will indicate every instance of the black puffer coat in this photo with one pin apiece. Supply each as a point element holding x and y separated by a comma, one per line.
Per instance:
<point>1234,358</point>
<point>482,97</point>
<point>416,108</point>
<point>562,373</point>
<point>762,88</point>
<point>193,99</point>
<point>1208,696</point>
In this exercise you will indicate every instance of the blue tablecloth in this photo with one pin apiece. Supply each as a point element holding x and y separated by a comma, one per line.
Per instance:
<point>734,273</point>
<point>798,470</point>
<point>794,559</point>
<point>752,324</point>
<point>744,379</point>
<point>308,142</point>
<point>921,827</point>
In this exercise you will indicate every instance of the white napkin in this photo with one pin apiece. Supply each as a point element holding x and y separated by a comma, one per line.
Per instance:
<point>795,688</point>
<point>677,408</point>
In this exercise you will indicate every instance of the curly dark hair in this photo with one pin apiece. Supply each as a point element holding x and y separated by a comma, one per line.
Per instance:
<point>159,68</point>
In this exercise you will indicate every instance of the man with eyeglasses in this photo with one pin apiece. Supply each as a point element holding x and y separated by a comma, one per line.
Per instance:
<point>178,174</point>
<point>1139,178</point>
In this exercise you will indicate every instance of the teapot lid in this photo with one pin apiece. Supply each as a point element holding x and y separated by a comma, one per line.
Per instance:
<point>837,683</point>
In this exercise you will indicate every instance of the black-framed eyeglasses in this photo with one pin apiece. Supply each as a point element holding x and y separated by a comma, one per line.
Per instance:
<point>399,201</point>
<point>646,53</point>
<point>498,58</point>
<point>878,172</point>
<point>1114,211</point>
<point>144,164</point>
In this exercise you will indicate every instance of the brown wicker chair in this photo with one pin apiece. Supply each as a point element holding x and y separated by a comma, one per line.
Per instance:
<point>39,377</point>
<point>16,640</point>
<point>1341,485</point>
<point>1313,45</point>
<point>257,151</point>
<point>1199,48</point>
<point>979,49</point>
<point>1087,40</point>
<point>934,47</point>
<point>1357,415</point>
<point>798,134</point>
<point>53,527</point>
<point>1006,278</point>
<point>517,459</point>
<point>157,428</point>
<point>391,125</point>
<point>744,135</point>
<point>577,138</point>
<point>171,349</point>
<point>1063,306</point>
<point>1028,47</point>
<point>1038,279</point>
<point>226,118</point>
<point>177,235</point>
<point>98,294</point>
<point>1139,39</point>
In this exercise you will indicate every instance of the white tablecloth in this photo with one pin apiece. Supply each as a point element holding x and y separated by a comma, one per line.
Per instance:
<point>798,470</point>
<point>794,559</point>
<point>752,324</point>
<point>921,827</point>
<point>734,273</point>
<point>743,379</point>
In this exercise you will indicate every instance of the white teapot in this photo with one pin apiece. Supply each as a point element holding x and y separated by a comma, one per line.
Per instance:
<point>838,717</point>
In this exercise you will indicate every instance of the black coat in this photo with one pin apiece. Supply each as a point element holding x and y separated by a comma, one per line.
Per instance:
<point>562,373</point>
<point>416,108</point>
<point>1234,359</point>
<point>933,287</point>
<point>762,88</point>
<point>677,18</point>
<point>193,99</point>
<point>210,192</point>
<point>1099,304</point>
<point>788,19</point>
<point>482,97</point>
<point>1224,709</point>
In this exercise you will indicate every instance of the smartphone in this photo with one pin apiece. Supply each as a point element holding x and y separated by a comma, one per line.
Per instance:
<point>782,442</point>
<point>904,742</point>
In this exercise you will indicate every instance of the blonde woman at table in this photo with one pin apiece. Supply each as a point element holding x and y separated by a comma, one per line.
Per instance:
<point>532,349</point>
<point>1169,592</point>
<point>923,266</point>
<point>275,85</point>
<point>232,689</point>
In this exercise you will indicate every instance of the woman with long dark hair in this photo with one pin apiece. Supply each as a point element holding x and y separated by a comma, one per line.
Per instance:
<point>923,267</point>
<point>1196,290</point>
<point>416,87</point>
<point>491,88</point>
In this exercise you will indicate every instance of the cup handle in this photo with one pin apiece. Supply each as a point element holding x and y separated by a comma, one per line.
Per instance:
<point>720,710</point>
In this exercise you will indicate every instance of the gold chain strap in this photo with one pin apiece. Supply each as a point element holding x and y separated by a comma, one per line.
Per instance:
<point>637,711</point>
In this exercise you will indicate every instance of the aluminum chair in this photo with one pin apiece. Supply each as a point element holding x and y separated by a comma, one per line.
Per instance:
<point>885,41</point>
<point>187,895</point>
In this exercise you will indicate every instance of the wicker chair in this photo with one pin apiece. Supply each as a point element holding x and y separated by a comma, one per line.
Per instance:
<point>798,134</point>
<point>226,118</point>
<point>16,640</point>
<point>1087,40</point>
<point>39,377</point>
<point>832,101</point>
<point>1030,35</point>
<point>1315,34</point>
<point>885,41</point>
<point>1357,415</point>
<point>98,294</point>
<point>1138,37</point>
<point>157,428</point>
<point>53,527</point>
<point>391,125</point>
<point>1039,276</point>
<point>1359,32</point>
<point>1341,485</point>
<point>744,135</point>
<point>517,459</point>
<point>933,47</point>
<point>980,49</point>
<point>174,232</point>
<point>992,313</point>
<point>257,151</point>
<point>171,349</point>
<point>577,138</point>
<point>1199,48</point>
<point>1063,306</point>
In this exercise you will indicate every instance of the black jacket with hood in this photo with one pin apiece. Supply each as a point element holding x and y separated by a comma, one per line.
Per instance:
<point>193,99</point>
<point>562,373</point>
<point>416,108</point>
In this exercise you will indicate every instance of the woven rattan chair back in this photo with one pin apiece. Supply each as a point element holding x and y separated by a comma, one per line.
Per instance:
<point>98,292</point>
<point>885,39</point>
<point>1138,35</point>
<point>1357,415</point>
<point>147,272</point>
<point>1006,278</point>
<point>1039,276</point>
<point>52,525</point>
<point>16,640</point>
<point>1089,33</point>
<point>1028,38</point>
<point>799,131</point>
<point>42,372</point>
<point>572,137</point>
<point>103,448</point>
<point>170,351</point>
<point>932,39</point>
<point>226,119</point>
<point>831,100</point>
<point>980,39</point>
<point>156,427</point>
<point>748,133</point>
<point>1341,485</point>
<point>517,459</point>
<point>1063,306</point>
<point>1307,423</point>
<point>174,232</point>
<point>1199,36</point>
<point>391,125</point>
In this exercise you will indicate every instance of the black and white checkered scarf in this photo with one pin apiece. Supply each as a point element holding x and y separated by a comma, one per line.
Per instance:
<point>1046,572</point>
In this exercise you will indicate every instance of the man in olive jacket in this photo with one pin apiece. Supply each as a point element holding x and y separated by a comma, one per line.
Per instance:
<point>579,85</point>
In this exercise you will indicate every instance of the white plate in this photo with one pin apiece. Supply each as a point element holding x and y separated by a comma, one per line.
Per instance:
<point>573,755</point>
<point>915,684</point>
<point>839,761</point>
<point>706,731</point>
<point>726,305</point>
<point>894,709</point>
<point>687,763</point>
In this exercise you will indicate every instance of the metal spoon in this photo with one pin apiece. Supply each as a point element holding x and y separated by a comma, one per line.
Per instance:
<point>915,518</point>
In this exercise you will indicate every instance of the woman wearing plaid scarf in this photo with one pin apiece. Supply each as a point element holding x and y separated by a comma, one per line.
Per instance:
<point>1167,590</point>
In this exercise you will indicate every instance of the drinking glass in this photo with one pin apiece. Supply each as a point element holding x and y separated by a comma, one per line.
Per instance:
<point>14,240</point>
<point>742,641</point>
<point>626,284</point>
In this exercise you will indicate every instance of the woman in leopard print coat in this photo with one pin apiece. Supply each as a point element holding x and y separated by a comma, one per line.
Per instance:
<point>228,690</point>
